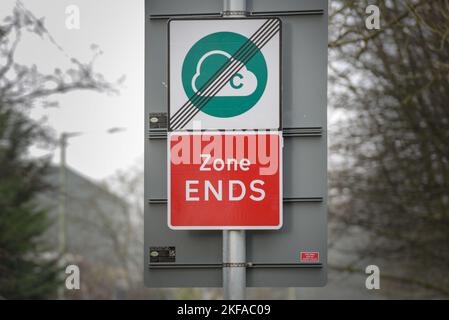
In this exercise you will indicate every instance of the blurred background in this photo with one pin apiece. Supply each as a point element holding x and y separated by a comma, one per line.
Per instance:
<point>71,151</point>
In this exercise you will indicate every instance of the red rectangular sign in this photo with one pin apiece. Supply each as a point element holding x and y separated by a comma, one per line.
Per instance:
<point>224,180</point>
<point>309,256</point>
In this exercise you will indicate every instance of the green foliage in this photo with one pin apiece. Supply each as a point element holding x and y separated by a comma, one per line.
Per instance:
<point>25,271</point>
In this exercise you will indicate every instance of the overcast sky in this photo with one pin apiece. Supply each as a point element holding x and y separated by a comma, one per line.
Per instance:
<point>117,27</point>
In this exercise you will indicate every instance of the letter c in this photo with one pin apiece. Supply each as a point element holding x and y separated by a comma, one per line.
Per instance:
<point>239,84</point>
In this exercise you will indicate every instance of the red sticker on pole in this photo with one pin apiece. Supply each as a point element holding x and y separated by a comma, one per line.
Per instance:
<point>224,180</point>
<point>309,256</point>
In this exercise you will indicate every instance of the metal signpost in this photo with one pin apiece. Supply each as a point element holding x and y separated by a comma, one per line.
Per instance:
<point>225,75</point>
<point>222,156</point>
<point>234,241</point>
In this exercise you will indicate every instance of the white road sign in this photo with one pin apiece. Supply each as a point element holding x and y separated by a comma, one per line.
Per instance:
<point>224,74</point>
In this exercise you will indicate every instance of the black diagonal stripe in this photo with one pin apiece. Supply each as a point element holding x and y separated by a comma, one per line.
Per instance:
<point>219,85</point>
<point>187,107</point>
<point>223,83</point>
<point>195,96</point>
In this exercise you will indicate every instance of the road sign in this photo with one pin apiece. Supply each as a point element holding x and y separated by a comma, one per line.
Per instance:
<point>224,180</point>
<point>224,74</point>
<point>296,254</point>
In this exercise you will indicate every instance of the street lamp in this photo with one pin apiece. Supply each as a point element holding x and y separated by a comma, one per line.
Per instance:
<point>63,142</point>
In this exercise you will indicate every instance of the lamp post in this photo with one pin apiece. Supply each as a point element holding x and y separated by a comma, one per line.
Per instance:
<point>62,229</point>
<point>63,142</point>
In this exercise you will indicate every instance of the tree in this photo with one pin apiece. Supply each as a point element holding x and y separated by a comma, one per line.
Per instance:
<point>126,234</point>
<point>26,268</point>
<point>389,157</point>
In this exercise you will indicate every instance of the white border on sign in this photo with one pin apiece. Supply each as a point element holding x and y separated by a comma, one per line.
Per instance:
<point>281,215</point>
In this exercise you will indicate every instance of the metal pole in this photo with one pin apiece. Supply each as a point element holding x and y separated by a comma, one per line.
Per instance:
<point>62,236</point>
<point>235,8</point>
<point>234,264</point>
<point>62,193</point>
<point>234,241</point>
<point>62,203</point>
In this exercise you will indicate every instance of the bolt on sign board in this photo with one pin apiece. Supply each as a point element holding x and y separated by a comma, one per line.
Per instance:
<point>224,74</point>
<point>224,180</point>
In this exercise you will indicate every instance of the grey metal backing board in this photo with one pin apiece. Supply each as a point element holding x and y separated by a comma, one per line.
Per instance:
<point>194,258</point>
